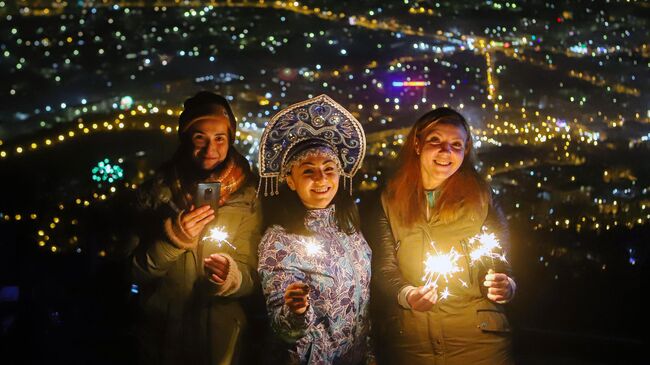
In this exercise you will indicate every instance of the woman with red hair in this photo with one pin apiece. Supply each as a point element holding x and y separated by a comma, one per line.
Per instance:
<point>435,204</point>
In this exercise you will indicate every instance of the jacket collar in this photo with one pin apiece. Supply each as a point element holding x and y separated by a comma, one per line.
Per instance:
<point>316,219</point>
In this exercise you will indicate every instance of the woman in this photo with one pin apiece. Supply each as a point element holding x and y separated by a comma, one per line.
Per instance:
<point>313,261</point>
<point>190,284</point>
<point>434,205</point>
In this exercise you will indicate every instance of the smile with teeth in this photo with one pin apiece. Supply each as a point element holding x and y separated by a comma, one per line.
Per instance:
<point>442,163</point>
<point>324,189</point>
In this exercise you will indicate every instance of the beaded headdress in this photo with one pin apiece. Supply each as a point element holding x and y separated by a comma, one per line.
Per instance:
<point>315,123</point>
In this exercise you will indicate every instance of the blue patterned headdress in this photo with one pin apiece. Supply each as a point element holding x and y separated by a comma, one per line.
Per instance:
<point>317,122</point>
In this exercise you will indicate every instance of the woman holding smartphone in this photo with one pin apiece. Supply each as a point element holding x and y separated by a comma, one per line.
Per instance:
<point>314,263</point>
<point>435,203</point>
<point>193,262</point>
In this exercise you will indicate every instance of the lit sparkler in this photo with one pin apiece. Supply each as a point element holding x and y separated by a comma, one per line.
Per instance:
<point>488,247</point>
<point>312,248</point>
<point>219,236</point>
<point>445,293</point>
<point>440,266</point>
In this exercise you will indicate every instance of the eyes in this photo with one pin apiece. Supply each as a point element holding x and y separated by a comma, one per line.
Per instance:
<point>202,140</point>
<point>329,169</point>
<point>455,144</point>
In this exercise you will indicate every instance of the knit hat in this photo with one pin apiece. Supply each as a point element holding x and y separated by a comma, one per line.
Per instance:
<point>206,105</point>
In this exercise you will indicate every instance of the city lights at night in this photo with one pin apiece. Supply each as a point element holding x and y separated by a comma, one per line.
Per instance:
<point>553,93</point>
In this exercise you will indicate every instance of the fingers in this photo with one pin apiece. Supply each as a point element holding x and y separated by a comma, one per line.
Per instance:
<point>421,291</point>
<point>496,277</point>
<point>217,279</point>
<point>296,297</point>
<point>427,298</point>
<point>422,298</point>
<point>218,258</point>
<point>298,308</point>
<point>216,269</point>
<point>194,221</point>
<point>217,265</point>
<point>296,292</point>
<point>497,281</point>
<point>496,284</point>
<point>201,218</point>
<point>192,213</point>
<point>203,221</point>
<point>497,298</point>
<point>196,229</point>
<point>196,215</point>
<point>498,293</point>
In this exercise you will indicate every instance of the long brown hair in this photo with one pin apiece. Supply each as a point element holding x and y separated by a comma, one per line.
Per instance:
<point>287,210</point>
<point>465,191</point>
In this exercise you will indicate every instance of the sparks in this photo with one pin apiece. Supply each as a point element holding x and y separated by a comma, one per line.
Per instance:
<point>219,236</point>
<point>445,293</point>
<point>488,244</point>
<point>440,265</point>
<point>313,248</point>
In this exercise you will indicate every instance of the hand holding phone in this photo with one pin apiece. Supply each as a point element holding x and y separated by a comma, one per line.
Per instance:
<point>194,220</point>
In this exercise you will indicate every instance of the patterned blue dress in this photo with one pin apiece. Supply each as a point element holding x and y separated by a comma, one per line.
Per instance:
<point>336,266</point>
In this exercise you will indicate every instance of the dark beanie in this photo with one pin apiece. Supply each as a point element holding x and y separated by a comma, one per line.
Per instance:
<point>205,105</point>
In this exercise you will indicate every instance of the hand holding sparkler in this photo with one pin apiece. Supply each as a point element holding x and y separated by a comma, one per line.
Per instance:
<point>422,298</point>
<point>440,266</point>
<point>217,267</point>
<point>499,286</point>
<point>296,297</point>
<point>193,221</point>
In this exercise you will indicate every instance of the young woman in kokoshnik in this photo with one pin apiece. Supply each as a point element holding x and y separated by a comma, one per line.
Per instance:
<point>314,263</point>
<point>434,204</point>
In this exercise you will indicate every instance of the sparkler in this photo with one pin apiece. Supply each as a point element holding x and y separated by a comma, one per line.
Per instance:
<point>488,246</point>
<point>440,266</point>
<point>445,294</point>
<point>219,236</point>
<point>312,248</point>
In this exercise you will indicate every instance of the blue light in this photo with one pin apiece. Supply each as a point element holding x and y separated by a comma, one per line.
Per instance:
<point>135,289</point>
<point>9,294</point>
<point>398,83</point>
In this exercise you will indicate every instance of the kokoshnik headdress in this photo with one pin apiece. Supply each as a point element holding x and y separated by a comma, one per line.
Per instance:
<point>315,123</point>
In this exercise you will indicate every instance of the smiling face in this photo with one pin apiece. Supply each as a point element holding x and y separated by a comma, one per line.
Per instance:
<point>441,153</point>
<point>209,142</point>
<point>316,180</point>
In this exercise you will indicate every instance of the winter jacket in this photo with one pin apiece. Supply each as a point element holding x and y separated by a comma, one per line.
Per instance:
<point>464,328</point>
<point>186,318</point>
<point>335,327</point>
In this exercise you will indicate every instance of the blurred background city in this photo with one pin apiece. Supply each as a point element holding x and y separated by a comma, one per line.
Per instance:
<point>554,92</point>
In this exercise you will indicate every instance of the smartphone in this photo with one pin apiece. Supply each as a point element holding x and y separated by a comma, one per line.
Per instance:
<point>207,193</point>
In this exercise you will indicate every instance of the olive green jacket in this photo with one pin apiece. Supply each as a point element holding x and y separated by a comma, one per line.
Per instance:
<point>186,318</point>
<point>464,328</point>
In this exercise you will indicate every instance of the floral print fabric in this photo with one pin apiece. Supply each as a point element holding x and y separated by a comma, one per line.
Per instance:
<point>336,266</point>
